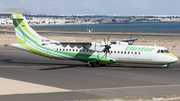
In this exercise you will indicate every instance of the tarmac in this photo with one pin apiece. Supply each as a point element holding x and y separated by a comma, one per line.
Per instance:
<point>26,77</point>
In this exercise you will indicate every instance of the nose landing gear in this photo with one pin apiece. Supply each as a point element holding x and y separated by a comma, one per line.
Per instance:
<point>166,66</point>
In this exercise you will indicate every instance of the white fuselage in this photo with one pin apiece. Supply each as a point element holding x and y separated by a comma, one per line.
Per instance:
<point>126,53</point>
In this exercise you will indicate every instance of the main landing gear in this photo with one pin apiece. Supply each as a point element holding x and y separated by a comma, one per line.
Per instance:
<point>91,64</point>
<point>94,64</point>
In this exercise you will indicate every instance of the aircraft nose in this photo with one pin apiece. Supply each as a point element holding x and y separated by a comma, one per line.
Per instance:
<point>174,59</point>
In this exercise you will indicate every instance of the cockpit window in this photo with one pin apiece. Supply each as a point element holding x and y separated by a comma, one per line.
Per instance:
<point>162,51</point>
<point>158,51</point>
<point>166,51</point>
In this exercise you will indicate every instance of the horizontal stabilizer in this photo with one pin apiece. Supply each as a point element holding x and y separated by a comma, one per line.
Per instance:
<point>17,17</point>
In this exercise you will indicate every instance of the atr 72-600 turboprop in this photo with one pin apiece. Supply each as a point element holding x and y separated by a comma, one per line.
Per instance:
<point>92,53</point>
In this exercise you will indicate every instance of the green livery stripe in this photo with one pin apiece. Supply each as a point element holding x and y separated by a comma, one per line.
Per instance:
<point>38,52</point>
<point>21,22</point>
<point>23,33</point>
<point>12,16</point>
<point>169,54</point>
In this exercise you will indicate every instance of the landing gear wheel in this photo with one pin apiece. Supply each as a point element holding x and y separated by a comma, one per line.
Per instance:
<point>91,64</point>
<point>166,66</point>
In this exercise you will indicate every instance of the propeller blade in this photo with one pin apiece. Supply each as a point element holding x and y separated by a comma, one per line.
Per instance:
<point>106,54</point>
<point>109,52</point>
<point>98,56</point>
<point>108,37</point>
<point>105,41</point>
<point>131,36</point>
<point>103,55</point>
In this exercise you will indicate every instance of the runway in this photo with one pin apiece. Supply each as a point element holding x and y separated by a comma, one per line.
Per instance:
<point>44,79</point>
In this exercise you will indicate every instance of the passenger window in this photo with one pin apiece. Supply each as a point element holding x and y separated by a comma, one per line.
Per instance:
<point>125,52</point>
<point>135,52</point>
<point>60,49</point>
<point>128,52</point>
<point>73,50</point>
<point>139,53</point>
<point>66,49</point>
<point>76,50</point>
<point>57,49</point>
<point>63,49</point>
<point>114,52</point>
<point>111,51</point>
<point>121,52</point>
<point>118,52</point>
<point>131,52</point>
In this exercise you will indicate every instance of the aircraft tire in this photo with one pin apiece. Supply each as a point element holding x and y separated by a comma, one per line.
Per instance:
<point>91,64</point>
<point>166,67</point>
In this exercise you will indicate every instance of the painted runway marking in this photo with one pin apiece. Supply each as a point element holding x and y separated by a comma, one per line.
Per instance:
<point>132,87</point>
<point>9,87</point>
<point>11,66</point>
<point>39,66</point>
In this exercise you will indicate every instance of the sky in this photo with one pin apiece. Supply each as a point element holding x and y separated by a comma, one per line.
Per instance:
<point>119,7</point>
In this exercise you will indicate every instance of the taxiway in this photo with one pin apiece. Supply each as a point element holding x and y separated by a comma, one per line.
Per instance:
<point>58,80</point>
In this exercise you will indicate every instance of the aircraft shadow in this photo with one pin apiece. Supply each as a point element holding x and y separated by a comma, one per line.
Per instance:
<point>55,66</point>
<point>33,63</point>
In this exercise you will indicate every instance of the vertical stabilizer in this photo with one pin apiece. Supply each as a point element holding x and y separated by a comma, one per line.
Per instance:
<point>23,31</point>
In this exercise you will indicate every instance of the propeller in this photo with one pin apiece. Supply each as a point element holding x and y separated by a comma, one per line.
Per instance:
<point>107,47</point>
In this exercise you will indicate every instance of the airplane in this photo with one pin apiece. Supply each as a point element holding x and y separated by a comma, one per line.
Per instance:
<point>93,53</point>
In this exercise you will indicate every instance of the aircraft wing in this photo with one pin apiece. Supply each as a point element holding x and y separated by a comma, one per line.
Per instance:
<point>128,40</point>
<point>98,46</point>
<point>73,44</point>
<point>90,43</point>
<point>79,43</point>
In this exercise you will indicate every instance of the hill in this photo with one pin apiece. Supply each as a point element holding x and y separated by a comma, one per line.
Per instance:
<point>17,10</point>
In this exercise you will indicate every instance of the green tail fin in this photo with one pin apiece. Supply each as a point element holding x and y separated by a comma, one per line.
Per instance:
<point>23,31</point>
